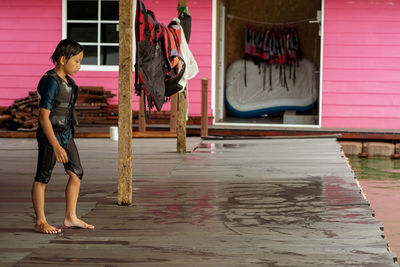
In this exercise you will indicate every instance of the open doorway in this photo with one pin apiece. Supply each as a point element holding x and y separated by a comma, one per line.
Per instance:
<point>262,91</point>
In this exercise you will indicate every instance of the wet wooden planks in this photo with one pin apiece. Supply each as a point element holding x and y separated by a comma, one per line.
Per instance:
<point>291,202</point>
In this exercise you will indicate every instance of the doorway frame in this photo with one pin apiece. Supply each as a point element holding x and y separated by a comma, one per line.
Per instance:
<point>218,94</point>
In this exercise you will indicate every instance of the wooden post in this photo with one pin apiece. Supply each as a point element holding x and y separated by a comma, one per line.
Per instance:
<point>125,103</point>
<point>204,107</point>
<point>173,113</point>
<point>177,121</point>
<point>142,119</point>
<point>181,124</point>
<point>182,2</point>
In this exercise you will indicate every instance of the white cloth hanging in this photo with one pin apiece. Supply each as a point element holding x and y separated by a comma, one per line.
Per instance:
<point>187,56</point>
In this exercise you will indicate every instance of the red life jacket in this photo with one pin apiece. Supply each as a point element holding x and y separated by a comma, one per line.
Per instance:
<point>172,42</point>
<point>146,23</point>
<point>280,48</point>
<point>249,47</point>
<point>157,47</point>
<point>264,53</point>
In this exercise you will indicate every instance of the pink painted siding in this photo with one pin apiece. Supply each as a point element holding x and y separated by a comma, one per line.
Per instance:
<point>361,71</point>
<point>30,30</point>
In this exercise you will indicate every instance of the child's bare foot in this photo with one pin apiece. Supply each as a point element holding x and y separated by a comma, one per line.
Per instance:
<point>46,228</point>
<point>76,222</point>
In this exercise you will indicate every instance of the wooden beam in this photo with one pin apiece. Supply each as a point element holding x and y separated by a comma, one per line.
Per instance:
<point>154,134</point>
<point>345,135</point>
<point>182,2</point>
<point>142,118</point>
<point>204,107</point>
<point>135,134</point>
<point>181,124</point>
<point>173,121</point>
<point>173,113</point>
<point>125,103</point>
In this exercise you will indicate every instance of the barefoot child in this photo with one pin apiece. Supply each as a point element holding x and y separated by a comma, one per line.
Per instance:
<point>58,94</point>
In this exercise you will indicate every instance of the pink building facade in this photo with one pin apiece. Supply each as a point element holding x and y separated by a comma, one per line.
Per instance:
<point>30,31</point>
<point>360,57</point>
<point>361,64</point>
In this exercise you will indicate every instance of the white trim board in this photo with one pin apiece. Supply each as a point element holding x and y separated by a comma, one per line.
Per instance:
<point>213,57</point>
<point>321,64</point>
<point>264,125</point>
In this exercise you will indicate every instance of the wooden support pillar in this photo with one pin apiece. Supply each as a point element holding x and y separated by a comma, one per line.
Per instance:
<point>142,118</point>
<point>204,107</point>
<point>173,113</point>
<point>125,103</point>
<point>181,124</point>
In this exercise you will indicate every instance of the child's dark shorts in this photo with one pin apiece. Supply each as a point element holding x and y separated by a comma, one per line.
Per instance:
<point>47,160</point>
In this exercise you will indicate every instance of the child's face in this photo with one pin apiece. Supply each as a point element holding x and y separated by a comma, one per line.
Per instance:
<point>73,64</point>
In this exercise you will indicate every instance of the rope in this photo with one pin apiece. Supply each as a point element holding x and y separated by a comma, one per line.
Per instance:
<point>230,16</point>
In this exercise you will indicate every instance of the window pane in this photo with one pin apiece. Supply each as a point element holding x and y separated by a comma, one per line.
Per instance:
<point>109,55</point>
<point>109,10</point>
<point>89,55</point>
<point>82,10</point>
<point>82,32</point>
<point>109,33</point>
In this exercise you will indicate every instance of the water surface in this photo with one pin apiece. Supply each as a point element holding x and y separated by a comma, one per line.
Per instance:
<point>375,168</point>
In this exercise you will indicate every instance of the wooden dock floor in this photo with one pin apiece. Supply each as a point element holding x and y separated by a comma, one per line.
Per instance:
<point>278,202</point>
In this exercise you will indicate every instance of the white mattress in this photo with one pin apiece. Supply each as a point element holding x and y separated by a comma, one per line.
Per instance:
<point>253,100</point>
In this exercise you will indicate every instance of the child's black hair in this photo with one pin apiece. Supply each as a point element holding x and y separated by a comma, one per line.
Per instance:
<point>66,48</point>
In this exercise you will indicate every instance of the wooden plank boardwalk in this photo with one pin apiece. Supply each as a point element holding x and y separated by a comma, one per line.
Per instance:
<point>264,202</point>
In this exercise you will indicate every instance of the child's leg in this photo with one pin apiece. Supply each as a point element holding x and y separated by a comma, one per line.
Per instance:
<point>38,190</point>
<point>71,199</point>
<point>45,165</point>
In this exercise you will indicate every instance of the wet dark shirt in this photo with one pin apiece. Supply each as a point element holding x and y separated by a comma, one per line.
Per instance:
<point>48,91</point>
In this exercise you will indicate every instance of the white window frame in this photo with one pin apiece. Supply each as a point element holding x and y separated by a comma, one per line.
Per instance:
<point>97,67</point>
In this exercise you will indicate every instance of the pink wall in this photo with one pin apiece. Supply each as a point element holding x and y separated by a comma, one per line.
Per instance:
<point>361,68</point>
<point>361,75</point>
<point>28,35</point>
<point>30,30</point>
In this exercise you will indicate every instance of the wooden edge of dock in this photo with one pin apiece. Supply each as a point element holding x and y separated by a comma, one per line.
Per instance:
<point>135,134</point>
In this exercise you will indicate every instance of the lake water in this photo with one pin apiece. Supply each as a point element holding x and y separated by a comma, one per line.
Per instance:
<point>376,169</point>
<point>380,182</point>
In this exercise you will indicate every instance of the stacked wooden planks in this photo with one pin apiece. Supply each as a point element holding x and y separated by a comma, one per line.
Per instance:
<point>22,114</point>
<point>92,107</point>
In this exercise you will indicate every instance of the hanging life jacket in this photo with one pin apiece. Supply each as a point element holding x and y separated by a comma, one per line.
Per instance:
<point>249,47</point>
<point>176,65</point>
<point>273,48</point>
<point>157,46</point>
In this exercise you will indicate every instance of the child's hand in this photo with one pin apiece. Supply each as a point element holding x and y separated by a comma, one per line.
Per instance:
<point>60,154</point>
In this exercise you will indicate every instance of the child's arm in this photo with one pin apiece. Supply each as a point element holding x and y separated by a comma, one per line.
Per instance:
<point>59,152</point>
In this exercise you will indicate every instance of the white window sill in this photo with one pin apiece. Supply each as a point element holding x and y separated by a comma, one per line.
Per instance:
<point>98,68</point>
